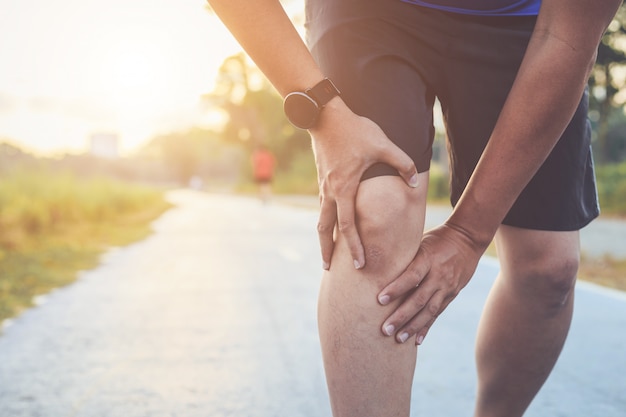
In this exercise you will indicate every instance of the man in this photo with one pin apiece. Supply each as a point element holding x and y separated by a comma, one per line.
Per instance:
<point>510,75</point>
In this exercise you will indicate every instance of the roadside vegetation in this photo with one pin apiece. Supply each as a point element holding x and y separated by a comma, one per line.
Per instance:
<point>606,271</point>
<point>54,225</point>
<point>612,189</point>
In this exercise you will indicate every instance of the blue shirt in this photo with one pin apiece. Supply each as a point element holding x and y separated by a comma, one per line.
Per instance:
<point>484,7</point>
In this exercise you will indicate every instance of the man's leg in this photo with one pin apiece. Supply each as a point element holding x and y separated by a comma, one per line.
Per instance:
<point>369,374</point>
<point>526,318</point>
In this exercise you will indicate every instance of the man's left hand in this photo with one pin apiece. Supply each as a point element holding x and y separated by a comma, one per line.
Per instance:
<point>443,265</point>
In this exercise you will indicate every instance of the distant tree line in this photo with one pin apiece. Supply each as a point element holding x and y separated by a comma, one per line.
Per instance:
<point>607,85</point>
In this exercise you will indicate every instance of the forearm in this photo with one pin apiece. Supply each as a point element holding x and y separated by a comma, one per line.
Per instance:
<point>539,107</point>
<point>265,32</point>
<point>537,111</point>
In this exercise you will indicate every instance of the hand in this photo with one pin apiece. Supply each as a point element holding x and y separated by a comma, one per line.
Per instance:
<point>345,145</point>
<point>444,264</point>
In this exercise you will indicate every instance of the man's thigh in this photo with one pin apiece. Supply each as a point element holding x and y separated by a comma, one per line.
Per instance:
<point>536,257</point>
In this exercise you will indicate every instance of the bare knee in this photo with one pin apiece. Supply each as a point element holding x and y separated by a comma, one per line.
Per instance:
<point>554,278</point>
<point>390,219</point>
<point>543,266</point>
<point>383,209</point>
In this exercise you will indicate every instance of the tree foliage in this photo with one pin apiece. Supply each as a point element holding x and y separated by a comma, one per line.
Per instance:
<point>608,91</point>
<point>254,111</point>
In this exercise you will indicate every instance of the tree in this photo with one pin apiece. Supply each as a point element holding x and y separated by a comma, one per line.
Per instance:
<point>608,84</point>
<point>254,111</point>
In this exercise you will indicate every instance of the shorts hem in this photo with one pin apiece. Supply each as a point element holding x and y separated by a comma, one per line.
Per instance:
<point>557,228</point>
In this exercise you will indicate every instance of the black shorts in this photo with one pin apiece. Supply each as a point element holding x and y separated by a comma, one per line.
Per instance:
<point>390,60</point>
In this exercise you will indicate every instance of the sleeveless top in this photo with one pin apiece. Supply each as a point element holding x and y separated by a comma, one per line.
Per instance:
<point>323,15</point>
<point>484,7</point>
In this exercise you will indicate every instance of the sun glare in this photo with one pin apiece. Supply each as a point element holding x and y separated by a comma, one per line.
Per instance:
<point>134,76</point>
<point>136,68</point>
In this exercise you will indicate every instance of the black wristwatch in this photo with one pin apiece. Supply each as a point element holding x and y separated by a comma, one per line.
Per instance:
<point>302,108</point>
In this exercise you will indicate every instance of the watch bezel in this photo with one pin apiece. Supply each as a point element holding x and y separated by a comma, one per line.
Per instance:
<point>301,109</point>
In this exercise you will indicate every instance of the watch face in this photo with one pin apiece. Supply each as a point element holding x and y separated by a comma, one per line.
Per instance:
<point>301,110</point>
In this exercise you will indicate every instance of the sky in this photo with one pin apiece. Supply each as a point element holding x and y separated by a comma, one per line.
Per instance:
<point>136,68</point>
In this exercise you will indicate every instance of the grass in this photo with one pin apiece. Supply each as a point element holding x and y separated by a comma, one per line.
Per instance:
<point>52,226</point>
<point>606,271</point>
<point>612,188</point>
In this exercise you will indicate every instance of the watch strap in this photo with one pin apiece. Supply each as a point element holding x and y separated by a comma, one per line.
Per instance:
<point>322,92</point>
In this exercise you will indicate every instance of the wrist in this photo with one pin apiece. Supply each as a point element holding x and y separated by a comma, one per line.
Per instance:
<point>304,108</point>
<point>475,222</point>
<point>333,112</point>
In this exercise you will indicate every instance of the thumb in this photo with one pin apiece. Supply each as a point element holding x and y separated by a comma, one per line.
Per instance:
<point>405,166</point>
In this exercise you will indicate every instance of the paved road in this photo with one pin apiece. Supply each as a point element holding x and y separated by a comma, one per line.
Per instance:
<point>214,315</point>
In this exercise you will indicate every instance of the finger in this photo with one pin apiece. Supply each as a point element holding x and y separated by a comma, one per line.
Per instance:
<point>435,307</point>
<point>405,166</point>
<point>346,224</point>
<point>411,277</point>
<point>421,335</point>
<point>325,227</point>
<point>410,308</point>
<point>421,322</point>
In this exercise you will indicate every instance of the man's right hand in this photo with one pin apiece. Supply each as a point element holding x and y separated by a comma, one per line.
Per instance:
<point>345,145</point>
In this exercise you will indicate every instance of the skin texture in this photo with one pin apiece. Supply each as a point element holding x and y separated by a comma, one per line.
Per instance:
<point>526,318</point>
<point>369,374</point>
<point>384,283</point>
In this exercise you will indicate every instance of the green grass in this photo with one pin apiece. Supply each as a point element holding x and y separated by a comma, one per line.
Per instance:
<point>607,271</point>
<point>612,189</point>
<point>54,225</point>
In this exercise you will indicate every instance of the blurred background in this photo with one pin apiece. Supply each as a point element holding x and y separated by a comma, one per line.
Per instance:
<point>159,91</point>
<point>103,106</point>
<point>153,91</point>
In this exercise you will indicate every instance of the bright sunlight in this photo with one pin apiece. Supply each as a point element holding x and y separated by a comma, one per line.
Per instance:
<point>136,77</point>
<point>72,68</point>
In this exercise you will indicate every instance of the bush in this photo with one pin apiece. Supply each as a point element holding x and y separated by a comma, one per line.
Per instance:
<point>612,188</point>
<point>301,177</point>
<point>438,185</point>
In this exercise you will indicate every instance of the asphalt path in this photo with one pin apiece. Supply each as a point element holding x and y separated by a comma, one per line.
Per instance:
<point>214,315</point>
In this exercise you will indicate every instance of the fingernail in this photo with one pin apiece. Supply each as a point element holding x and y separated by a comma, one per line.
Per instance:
<point>325,266</point>
<point>403,336</point>
<point>413,181</point>
<point>389,329</point>
<point>357,264</point>
<point>383,299</point>
<point>420,340</point>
